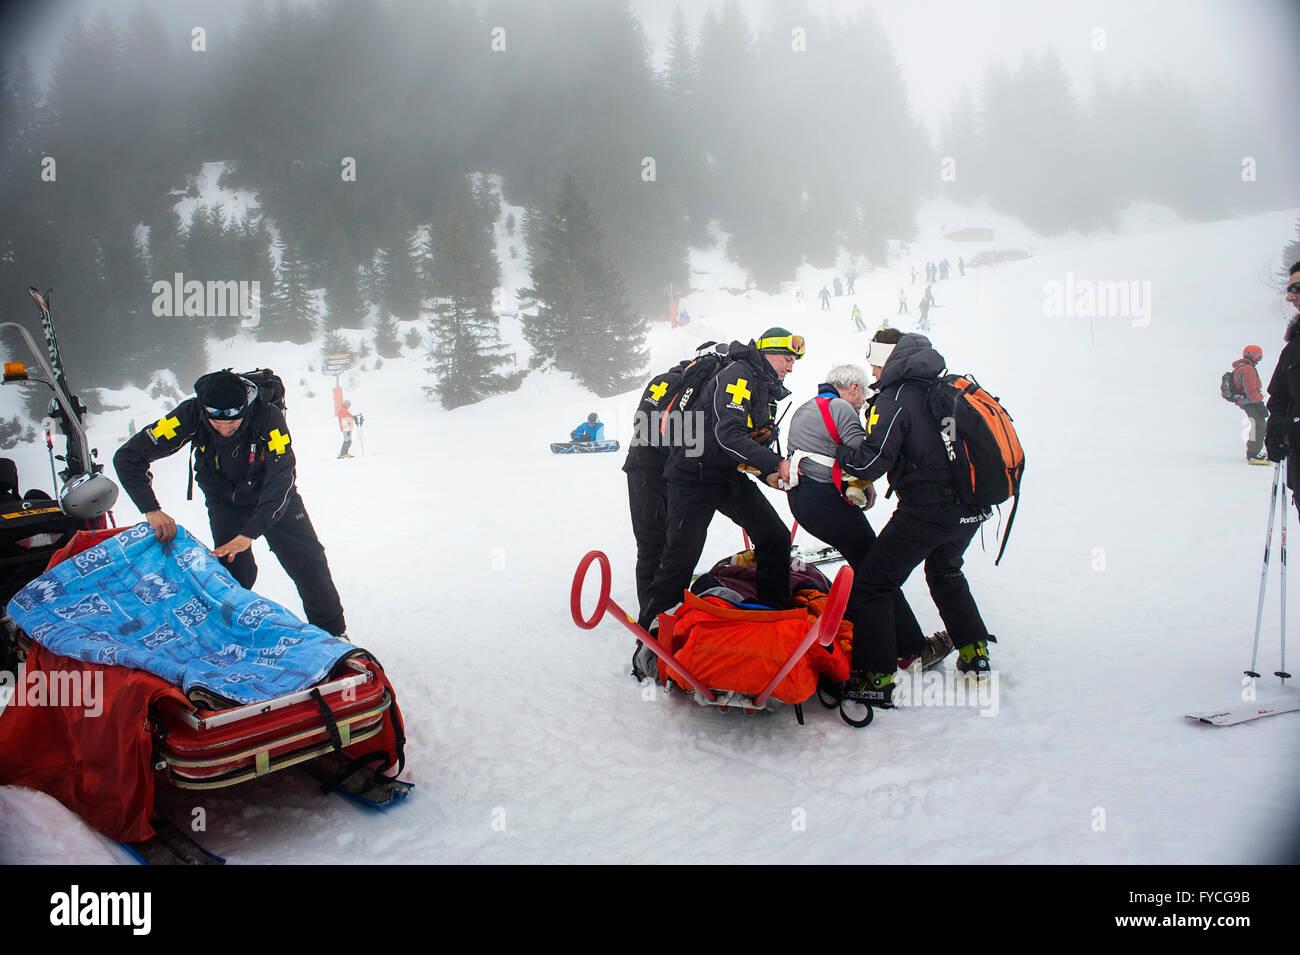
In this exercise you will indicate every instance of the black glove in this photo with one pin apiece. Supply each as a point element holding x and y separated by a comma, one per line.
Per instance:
<point>360,419</point>
<point>1279,449</point>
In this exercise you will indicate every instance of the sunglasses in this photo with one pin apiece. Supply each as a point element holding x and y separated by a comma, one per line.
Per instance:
<point>1293,288</point>
<point>225,413</point>
<point>790,343</point>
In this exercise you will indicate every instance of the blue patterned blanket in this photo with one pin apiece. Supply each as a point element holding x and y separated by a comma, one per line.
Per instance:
<point>175,611</point>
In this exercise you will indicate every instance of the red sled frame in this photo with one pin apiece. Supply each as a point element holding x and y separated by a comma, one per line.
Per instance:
<point>822,631</point>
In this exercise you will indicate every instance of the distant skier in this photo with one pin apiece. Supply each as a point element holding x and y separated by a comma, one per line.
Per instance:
<point>944,269</point>
<point>838,286</point>
<point>856,315</point>
<point>683,317</point>
<point>347,421</point>
<point>902,302</point>
<point>825,297</point>
<point>590,430</point>
<point>1246,382</point>
<point>924,323</point>
<point>929,295</point>
<point>961,264</point>
<point>914,275</point>
<point>850,283</point>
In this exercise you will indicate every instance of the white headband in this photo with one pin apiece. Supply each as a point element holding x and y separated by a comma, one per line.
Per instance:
<point>878,353</point>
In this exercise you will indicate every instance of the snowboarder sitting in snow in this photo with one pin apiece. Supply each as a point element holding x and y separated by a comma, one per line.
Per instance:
<point>590,430</point>
<point>929,524</point>
<point>1246,381</point>
<point>244,464</point>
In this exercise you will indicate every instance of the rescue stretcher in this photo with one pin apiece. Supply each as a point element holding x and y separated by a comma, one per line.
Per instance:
<point>675,671</point>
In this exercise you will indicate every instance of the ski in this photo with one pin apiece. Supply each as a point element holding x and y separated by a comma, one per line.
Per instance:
<point>1232,715</point>
<point>818,555</point>
<point>171,846</point>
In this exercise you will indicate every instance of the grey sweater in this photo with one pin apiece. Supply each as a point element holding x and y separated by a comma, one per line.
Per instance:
<point>808,432</point>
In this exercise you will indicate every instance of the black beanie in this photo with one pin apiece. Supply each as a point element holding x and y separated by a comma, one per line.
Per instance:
<point>224,390</point>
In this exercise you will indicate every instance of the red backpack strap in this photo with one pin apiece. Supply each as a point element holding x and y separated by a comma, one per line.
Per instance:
<point>837,473</point>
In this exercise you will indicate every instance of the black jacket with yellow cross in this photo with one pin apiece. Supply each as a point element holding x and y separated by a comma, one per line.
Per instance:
<point>253,467</point>
<point>738,418</point>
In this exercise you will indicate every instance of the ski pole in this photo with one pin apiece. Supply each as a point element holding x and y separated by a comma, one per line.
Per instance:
<point>1281,671</point>
<point>1263,574</point>
<point>49,445</point>
<point>361,436</point>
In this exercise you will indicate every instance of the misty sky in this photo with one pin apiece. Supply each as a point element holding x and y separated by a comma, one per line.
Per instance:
<point>1237,57</point>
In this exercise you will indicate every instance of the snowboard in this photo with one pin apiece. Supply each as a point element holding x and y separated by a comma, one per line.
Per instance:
<point>583,447</point>
<point>1244,712</point>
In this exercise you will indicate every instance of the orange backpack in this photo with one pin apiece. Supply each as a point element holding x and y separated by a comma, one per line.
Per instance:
<point>730,648</point>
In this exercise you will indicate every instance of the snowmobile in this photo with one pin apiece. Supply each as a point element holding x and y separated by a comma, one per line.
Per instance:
<point>732,655</point>
<point>63,562</point>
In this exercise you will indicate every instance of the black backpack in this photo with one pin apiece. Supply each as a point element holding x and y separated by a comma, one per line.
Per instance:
<point>683,392</point>
<point>1228,387</point>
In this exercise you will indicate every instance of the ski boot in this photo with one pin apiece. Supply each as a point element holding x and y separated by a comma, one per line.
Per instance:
<point>874,688</point>
<point>937,647</point>
<point>974,658</point>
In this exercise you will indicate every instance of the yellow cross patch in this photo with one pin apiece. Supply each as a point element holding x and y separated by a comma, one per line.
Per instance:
<point>871,422</point>
<point>166,428</point>
<point>739,391</point>
<point>278,442</point>
<point>657,391</point>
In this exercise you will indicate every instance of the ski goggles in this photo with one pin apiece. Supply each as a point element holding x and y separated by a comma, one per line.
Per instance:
<point>878,353</point>
<point>1293,288</point>
<point>788,344</point>
<point>226,414</point>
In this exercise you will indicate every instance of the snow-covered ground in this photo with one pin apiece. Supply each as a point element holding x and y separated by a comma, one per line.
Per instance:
<point>1126,598</point>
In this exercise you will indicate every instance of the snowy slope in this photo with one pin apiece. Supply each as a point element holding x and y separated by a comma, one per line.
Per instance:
<point>1126,597</point>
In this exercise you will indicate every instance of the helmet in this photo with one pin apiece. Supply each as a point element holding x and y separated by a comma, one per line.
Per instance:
<point>87,496</point>
<point>593,418</point>
<point>1252,353</point>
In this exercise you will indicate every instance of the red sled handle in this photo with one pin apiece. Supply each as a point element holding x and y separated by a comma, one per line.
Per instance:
<point>606,603</point>
<point>823,631</point>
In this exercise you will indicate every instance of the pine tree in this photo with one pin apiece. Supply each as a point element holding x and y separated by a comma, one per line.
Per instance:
<point>1291,254</point>
<point>584,324</point>
<point>293,313</point>
<point>463,329</point>
<point>387,344</point>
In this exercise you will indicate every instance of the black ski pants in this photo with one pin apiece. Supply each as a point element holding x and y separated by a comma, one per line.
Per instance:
<point>293,541</point>
<point>936,534</point>
<point>647,498</point>
<point>1258,416</point>
<point>690,509</point>
<point>823,513</point>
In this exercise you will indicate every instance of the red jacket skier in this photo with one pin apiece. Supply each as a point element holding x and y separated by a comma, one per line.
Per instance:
<point>1246,379</point>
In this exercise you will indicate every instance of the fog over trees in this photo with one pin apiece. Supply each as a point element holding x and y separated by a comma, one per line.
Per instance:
<point>794,136</point>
